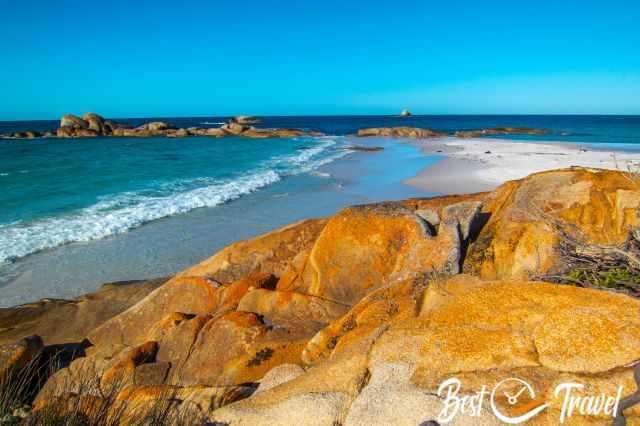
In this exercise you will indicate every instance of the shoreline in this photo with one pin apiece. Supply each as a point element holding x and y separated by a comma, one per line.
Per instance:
<point>168,245</point>
<point>406,168</point>
<point>482,164</point>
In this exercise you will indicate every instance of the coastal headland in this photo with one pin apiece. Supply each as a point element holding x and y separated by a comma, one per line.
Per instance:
<point>358,318</point>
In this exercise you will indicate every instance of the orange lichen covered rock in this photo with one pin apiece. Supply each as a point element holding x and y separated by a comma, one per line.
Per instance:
<point>363,316</point>
<point>269,253</point>
<point>182,295</point>
<point>238,348</point>
<point>367,247</point>
<point>17,356</point>
<point>521,237</point>
<point>296,309</point>
<point>121,368</point>
<point>373,311</point>
<point>79,316</point>
<point>477,331</point>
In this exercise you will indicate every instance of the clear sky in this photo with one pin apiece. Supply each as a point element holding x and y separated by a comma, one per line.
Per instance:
<point>219,57</point>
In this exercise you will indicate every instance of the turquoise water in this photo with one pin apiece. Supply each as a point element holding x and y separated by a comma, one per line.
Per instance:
<point>56,191</point>
<point>59,191</point>
<point>172,243</point>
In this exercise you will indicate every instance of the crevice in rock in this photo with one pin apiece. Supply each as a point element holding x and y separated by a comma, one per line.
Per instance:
<point>366,377</point>
<point>477,225</point>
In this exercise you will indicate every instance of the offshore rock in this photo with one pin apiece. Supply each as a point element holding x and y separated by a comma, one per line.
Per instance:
<point>406,132</point>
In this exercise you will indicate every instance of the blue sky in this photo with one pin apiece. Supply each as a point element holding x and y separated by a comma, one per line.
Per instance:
<point>155,58</point>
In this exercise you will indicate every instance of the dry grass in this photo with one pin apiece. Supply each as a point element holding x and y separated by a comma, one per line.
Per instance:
<point>614,268</point>
<point>83,405</point>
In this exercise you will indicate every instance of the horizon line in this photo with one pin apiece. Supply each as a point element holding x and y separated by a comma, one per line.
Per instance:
<point>349,115</point>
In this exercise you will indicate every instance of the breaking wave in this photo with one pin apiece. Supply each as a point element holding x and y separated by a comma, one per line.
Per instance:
<point>120,213</point>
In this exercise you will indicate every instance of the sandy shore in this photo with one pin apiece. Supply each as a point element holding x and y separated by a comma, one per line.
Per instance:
<point>166,246</point>
<point>472,165</point>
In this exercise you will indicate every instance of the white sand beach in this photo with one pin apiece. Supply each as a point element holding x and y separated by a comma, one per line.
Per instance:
<point>472,165</point>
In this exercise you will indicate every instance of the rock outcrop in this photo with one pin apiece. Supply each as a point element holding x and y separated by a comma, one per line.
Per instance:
<point>386,369</point>
<point>93,125</point>
<point>74,122</point>
<point>358,319</point>
<point>416,132</point>
<point>245,119</point>
<point>79,316</point>
<point>521,239</point>
<point>501,131</point>
<point>15,357</point>
<point>403,132</point>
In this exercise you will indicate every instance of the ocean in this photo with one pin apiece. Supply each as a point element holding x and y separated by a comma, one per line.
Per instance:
<point>61,195</point>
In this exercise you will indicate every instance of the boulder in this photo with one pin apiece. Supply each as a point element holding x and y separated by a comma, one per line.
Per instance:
<point>70,120</point>
<point>214,132</point>
<point>480,332</point>
<point>120,370</point>
<point>367,247</point>
<point>500,131</point>
<point>270,253</point>
<point>320,396</point>
<point>180,133</point>
<point>212,284</point>
<point>86,133</point>
<point>176,340</point>
<point>80,316</point>
<point>234,128</point>
<point>18,356</point>
<point>29,134</point>
<point>231,348</point>
<point>155,126</point>
<point>196,312</point>
<point>151,374</point>
<point>374,311</point>
<point>182,296</point>
<point>391,398</point>
<point>290,133</point>
<point>245,119</point>
<point>117,131</point>
<point>407,132</point>
<point>279,375</point>
<point>110,126</point>
<point>295,309</point>
<point>65,132</point>
<point>522,235</point>
<point>196,131</point>
<point>173,404</point>
<point>358,319</point>
<point>257,134</point>
<point>95,122</point>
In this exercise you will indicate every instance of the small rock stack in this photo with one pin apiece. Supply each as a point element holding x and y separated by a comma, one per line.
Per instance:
<point>93,125</point>
<point>90,125</point>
